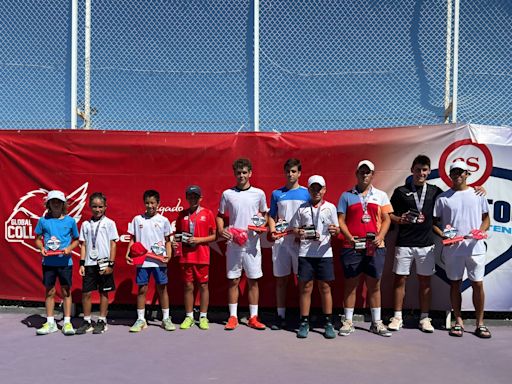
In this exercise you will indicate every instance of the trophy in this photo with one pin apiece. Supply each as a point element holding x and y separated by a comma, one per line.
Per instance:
<point>53,245</point>
<point>370,247</point>
<point>359,243</point>
<point>281,228</point>
<point>103,264</point>
<point>258,224</point>
<point>310,232</point>
<point>412,216</point>
<point>185,238</point>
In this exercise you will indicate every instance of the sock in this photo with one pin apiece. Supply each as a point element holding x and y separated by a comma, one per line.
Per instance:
<point>141,314</point>
<point>233,309</point>
<point>190,314</point>
<point>67,319</point>
<point>202,314</point>
<point>165,313</point>
<point>50,320</point>
<point>375,314</point>
<point>349,313</point>
<point>398,315</point>
<point>423,315</point>
<point>102,318</point>
<point>281,312</point>
<point>327,318</point>
<point>253,310</point>
<point>87,318</point>
<point>304,319</point>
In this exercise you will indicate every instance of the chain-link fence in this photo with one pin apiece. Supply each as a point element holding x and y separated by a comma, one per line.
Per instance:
<point>188,65</point>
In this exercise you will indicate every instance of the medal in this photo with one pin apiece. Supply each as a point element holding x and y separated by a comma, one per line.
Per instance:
<point>419,202</point>
<point>93,254</point>
<point>366,218</point>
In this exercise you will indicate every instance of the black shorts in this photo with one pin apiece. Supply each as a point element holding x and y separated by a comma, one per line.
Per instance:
<point>316,268</point>
<point>354,263</point>
<point>50,274</point>
<point>93,280</point>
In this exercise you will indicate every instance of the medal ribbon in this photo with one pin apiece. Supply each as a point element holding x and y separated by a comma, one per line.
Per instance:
<point>364,199</point>
<point>94,234</point>
<point>192,223</point>
<point>421,200</point>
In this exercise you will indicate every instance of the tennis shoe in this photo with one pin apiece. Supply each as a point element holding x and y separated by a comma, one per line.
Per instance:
<point>47,328</point>
<point>231,324</point>
<point>380,329</point>
<point>168,325</point>
<point>139,325</point>
<point>395,323</point>
<point>204,324</point>
<point>255,323</point>
<point>85,327</point>
<point>347,327</point>
<point>187,323</point>
<point>303,331</point>
<point>68,330</point>
<point>278,323</point>
<point>426,325</point>
<point>329,331</point>
<point>100,327</point>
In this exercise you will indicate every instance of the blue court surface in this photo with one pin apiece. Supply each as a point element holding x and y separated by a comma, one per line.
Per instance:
<point>247,356</point>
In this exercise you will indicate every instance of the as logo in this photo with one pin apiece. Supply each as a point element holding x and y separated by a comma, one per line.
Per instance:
<point>20,226</point>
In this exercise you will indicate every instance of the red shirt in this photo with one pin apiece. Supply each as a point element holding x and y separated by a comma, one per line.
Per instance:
<point>203,223</point>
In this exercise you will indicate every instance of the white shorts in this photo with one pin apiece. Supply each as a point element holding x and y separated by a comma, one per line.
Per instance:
<point>285,256</point>
<point>474,264</point>
<point>424,258</point>
<point>241,258</point>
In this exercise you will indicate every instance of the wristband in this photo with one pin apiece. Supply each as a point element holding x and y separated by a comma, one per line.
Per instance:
<point>82,263</point>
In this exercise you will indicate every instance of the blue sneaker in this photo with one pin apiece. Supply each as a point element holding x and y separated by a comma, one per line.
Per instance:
<point>303,331</point>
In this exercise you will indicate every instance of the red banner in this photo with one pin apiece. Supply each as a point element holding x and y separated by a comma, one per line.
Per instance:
<point>124,164</point>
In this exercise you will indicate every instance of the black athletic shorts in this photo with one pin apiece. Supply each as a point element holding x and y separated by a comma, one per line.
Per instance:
<point>316,268</point>
<point>93,280</point>
<point>50,274</point>
<point>354,263</point>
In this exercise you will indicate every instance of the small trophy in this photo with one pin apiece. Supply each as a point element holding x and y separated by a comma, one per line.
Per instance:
<point>451,235</point>
<point>310,232</point>
<point>258,224</point>
<point>281,228</point>
<point>53,247</point>
<point>158,248</point>
<point>103,264</point>
<point>412,216</point>
<point>185,238</point>
<point>359,243</point>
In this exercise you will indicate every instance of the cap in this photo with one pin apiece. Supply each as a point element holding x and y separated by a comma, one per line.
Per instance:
<point>459,164</point>
<point>56,195</point>
<point>368,163</point>
<point>316,179</point>
<point>193,189</point>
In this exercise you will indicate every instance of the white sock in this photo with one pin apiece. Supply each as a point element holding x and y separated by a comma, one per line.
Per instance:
<point>50,320</point>
<point>398,315</point>
<point>141,314</point>
<point>87,318</point>
<point>349,313</point>
<point>190,314</point>
<point>104,319</point>
<point>423,315</point>
<point>253,310</point>
<point>165,313</point>
<point>281,312</point>
<point>67,319</point>
<point>375,314</point>
<point>202,314</point>
<point>233,309</point>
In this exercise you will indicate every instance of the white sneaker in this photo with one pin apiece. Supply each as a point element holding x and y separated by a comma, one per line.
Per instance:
<point>426,325</point>
<point>395,323</point>
<point>380,329</point>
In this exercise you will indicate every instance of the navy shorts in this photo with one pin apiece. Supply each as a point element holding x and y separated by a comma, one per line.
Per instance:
<point>93,280</point>
<point>316,268</point>
<point>354,263</point>
<point>159,274</point>
<point>50,274</point>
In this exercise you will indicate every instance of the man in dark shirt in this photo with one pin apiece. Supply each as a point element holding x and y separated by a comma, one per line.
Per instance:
<point>413,205</point>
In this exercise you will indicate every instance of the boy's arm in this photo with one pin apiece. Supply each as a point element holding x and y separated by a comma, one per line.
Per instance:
<point>83,252</point>
<point>486,222</point>
<point>127,256</point>
<point>386,222</point>
<point>40,245</point>
<point>220,227</point>
<point>110,268</point>
<point>437,230</point>
<point>344,228</point>
<point>168,247</point>
<point>71,246</point>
